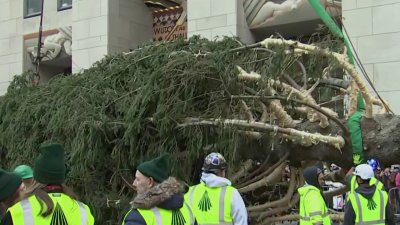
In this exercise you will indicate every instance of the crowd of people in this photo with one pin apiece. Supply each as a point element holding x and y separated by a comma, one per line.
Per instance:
<point>40,195</point>
<point>390,177</point>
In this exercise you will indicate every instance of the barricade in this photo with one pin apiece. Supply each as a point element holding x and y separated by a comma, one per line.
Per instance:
<point>394,200</point>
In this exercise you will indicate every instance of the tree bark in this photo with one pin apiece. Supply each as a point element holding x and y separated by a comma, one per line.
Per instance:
<point>381,140</point>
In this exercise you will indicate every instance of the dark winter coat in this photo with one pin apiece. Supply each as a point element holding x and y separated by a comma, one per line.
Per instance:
<point>166,195</point>
<point>366,191</point>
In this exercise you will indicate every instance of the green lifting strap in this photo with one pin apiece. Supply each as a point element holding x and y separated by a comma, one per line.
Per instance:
<point>333,27</point>
<point>355,119</point>
<point>354,124</point>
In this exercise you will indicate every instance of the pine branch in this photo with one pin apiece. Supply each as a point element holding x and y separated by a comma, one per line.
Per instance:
<point>312,116</point>
<point>301,137</point>
<point>339,58</point>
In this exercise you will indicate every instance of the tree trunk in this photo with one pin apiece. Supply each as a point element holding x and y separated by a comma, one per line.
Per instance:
<point>381,140</point>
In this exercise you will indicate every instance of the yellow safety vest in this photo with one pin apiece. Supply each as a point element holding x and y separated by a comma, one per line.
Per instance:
<point>368,214</point>
<point>373,181</point>
<point>72,212</point>
<point>159,216</point>
<point>312,213</point>
<point>211,205</point>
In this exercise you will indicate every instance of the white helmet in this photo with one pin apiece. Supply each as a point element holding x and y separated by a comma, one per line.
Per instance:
<point>364,171</point>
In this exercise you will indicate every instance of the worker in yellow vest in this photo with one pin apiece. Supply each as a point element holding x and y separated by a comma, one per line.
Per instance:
<point>313,210</point>
<point>367,205</point>
<point>12,190</point>
<point>351,179</point>
<point>48,200</point>
<point>214,200</point>
<point>159,197</point>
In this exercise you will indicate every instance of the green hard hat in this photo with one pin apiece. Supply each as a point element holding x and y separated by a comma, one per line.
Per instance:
<point>24,171</point>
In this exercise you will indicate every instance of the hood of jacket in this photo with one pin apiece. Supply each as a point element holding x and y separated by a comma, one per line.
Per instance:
<point>303,190</point>
<point>366,190</point>
<point>166,195</point>
<point>212,180</point>
<point>311,174</point>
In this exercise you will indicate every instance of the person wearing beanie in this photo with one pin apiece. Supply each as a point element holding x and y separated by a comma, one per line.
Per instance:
<point>204,198</point>
<point>368,204</point>
<point>12,190</point>
<point>159,198</point>
<point>48,198</point>
<point>313,209</point>
<point>26,173</point>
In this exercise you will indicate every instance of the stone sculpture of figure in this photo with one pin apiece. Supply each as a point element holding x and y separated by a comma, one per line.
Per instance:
<point>270,10</point>
<point>53,44</point>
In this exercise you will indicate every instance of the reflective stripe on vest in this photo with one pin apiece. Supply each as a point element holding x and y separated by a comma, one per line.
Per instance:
<point>84,217</point>
<point>317,213</point>
<point>158,218</point>
<point>221,205</point>
<point>27,212</point>
<point>221,202</point>
<point>382,206</point>
<point>23,211</point>
<point>373,181</point>
<point>306,216</point>
<point>224,204</point>
<point>379,185</point>
<point>353,184</point>
<point>191,213</point>
<point>191,195</point>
